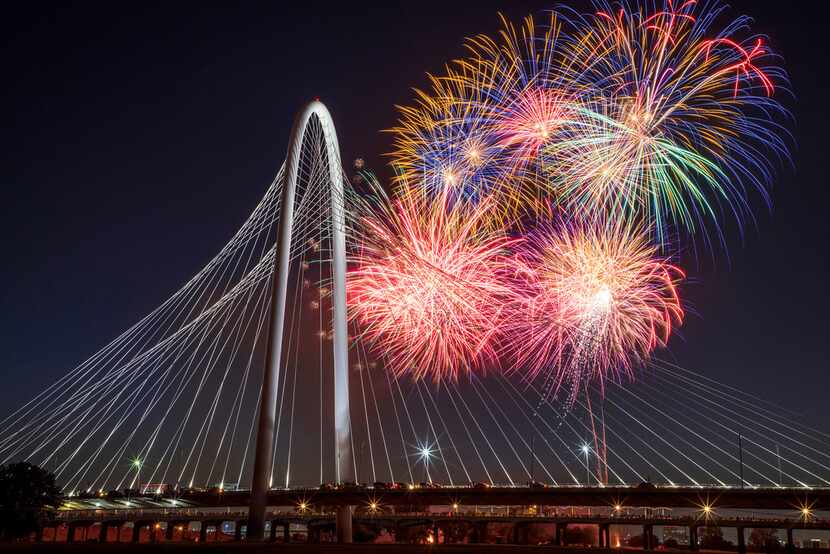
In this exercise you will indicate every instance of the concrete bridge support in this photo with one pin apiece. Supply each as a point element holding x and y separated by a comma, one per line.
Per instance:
<point>272,531</point>
<point>72,528</point>
<point>343,523</point>
<point>237,529</point>
<point>790,541</point>
<point>479,532</point>
<point>694,542</point>
<point>741,540</point>
<point>648,537</point>
<point>605,535</point>
<point>560,538</point>
<point>138,526</point>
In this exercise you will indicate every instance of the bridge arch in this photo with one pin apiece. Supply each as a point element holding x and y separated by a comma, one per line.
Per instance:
<point>268,405</point>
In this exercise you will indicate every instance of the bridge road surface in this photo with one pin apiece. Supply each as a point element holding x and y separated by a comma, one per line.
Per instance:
<point>790,499</point>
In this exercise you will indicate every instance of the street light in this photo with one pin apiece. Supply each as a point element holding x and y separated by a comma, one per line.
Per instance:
<point>586,449</point>
<point>136,463</point>
<point>425,453</point>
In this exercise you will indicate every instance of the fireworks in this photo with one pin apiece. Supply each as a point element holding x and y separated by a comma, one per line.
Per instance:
<point>598,301</point>
<point>656,116</point>
<point>479,130</point>
<point>642,125</point>
<point>444,144</point>
<point>676,120</point>
<point>428,289</point>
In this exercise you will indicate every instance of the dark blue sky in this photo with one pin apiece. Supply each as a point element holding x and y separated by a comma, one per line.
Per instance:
<point>136,137</point>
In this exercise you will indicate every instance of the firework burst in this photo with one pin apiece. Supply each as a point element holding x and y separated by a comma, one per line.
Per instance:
<point>673,126</point>
<point>428,289</point>
<point>444,145</point>
<point>478,131</point>
<point>597,301</point>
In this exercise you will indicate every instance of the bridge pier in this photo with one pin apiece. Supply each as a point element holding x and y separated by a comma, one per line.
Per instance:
<point>480,532</point>
<point>648,537</point>
<point>343,524</point>
<point>237,530</point>
<point>560,538</point>
<point>203,532</point>
<point>741,540</point>
<point>790,541</point>
<point>72,531</point>
<point>693,540</point>
<point>605,535</point>
<point>272,531</point>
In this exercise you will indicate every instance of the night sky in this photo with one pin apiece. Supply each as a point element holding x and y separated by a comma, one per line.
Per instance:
<point>136,137</point>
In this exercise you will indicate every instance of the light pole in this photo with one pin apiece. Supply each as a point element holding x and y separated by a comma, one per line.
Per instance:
<point>426,454</point>
<point>533,459</point>
<point>136,463</point>
<point>587,450</point>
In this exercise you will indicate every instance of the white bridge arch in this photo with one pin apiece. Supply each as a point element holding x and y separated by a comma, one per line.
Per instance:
<point>268,407</point>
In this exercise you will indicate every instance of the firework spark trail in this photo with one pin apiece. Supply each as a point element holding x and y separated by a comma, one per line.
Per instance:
<point>428,291</point>
<point>597,301</point>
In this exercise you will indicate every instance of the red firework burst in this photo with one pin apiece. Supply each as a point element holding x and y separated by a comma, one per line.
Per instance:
<point>597,301</point>
<point>428,290</point>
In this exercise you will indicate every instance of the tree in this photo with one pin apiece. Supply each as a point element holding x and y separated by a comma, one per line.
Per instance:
<point>764,540</point>
<point>28,498</point>
<point>711,538</point>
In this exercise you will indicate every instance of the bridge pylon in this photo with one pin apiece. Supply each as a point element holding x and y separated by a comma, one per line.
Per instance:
<point>266,427</point>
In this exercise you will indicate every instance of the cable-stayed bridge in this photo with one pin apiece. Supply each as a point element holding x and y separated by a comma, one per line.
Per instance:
<point>250,376</point>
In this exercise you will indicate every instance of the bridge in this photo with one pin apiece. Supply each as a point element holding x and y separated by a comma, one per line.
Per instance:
<point>251,374</point>
<point>787,500</point>
<point>466,523</point>
<point>461,512</point>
